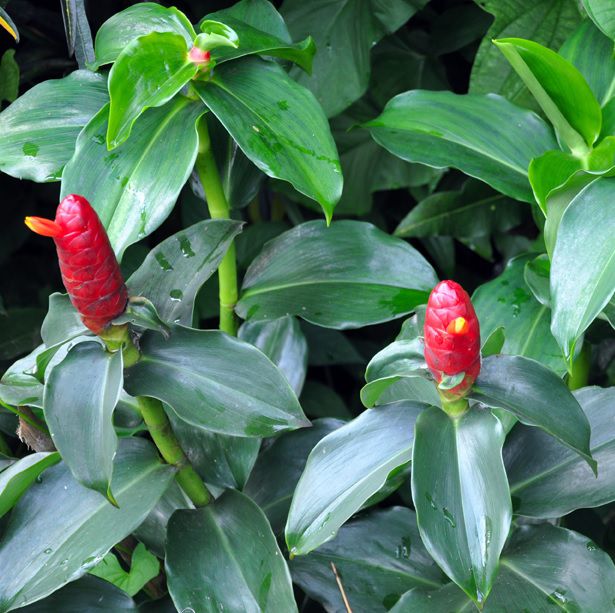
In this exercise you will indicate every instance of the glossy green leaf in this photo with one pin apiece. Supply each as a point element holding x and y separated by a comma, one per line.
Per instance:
<point>344,34</point>
<point>216,382</point>
<point>548,480</point>
<point>278,468</point>
<point>62,321</point>
<point>310,270</point>
<point>139,20</point>
<point>9,76</point>
<point>40,128</point>
<point>20,475</point>
<point>63,529</point>
<point>345,469</point>
<point>536,275</point>
<point>536,396</point>
<point>226,556</point>
<point>134,187</point>
<point>174,271</point>
<point>279,126</point>
<point>494,343</point>
<point>461,496</point>
<point>550,22</point>
<point>148,73</point>
<point>80,395</point>
<point>282,341</point>
<point>560,90</point>
<point>378,557</point>
<point>602,14</point>
<point>583,263</point>
<point>592,53</point>
<point>18,384</point>
<point>486,137</point>
<point>78,33</point>
<point>507,302</point>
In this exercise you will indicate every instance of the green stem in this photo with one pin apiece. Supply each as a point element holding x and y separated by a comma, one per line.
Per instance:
<point>454,408</point>
<point>579,372</point>
<point>160,429</point>
<point>218,209</point>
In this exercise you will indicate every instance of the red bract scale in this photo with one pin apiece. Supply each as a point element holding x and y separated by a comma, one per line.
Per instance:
<point>90,271</point>
<point>452,337</point>
<point>198,56</point>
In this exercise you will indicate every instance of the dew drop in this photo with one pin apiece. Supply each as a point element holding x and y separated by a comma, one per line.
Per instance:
<point>186,247</point>
<point>176,295</point>
<point>449,518</point>
<point>163,262</point>
<point>48,550</point>
<point>30,149</point>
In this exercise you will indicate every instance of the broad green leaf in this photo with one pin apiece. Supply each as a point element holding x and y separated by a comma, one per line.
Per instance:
<point>174,271</point>
<point>378,557</point>
<point>215,382</point>
<point>345,468</point>
<point>486,137</point>
<point>62,321</point>
<point>142,314</point>
<point>549,480</point>
<point>282,341</point>
<point>536,276</point>
<point>260,14</point>
<point>279,126</point>
<point>278,468</point>
<point>550,23</point>
<point>20,475</point>
<point>461,496</point>
<point>80,395</point>
<point>602,14</point>
<point>9,76</point>
<point>19,386</point>
<point>560,90</point>
<point>311,270</point>
<point>592,53</point>
<point>225,556</point>
<point>219,459</point>
<point>494,343</point>
<point>537,397</point>
<point>475,210</point>
<point>507,302</point>
<point>344,33</point>
<point>63,529</point>
<point>40,128</point>
<point>583,263</point>
<point>134,187</point>
<point>148,73</point>
<point>139,20</point>
<point>144,566</point>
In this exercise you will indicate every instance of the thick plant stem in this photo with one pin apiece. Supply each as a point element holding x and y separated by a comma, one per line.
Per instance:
<point>218,209</point>
<point>454,408</point>
<point>160,429</point>
<point>579,373</point>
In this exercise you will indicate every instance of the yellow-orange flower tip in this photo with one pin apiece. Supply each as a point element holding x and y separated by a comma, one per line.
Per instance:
<point>458,326</point>
<point>42,226</point>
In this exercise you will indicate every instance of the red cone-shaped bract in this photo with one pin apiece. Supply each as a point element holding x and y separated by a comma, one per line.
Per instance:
<point>452,337</point>
<point>90,271</point>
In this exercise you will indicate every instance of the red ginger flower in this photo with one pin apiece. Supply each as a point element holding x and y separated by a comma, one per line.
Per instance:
<point>90,271</point>
<point>452,337</point>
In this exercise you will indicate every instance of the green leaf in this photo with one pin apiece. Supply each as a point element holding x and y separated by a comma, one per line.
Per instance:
<point>62,321</point>
<point>148,73</point>
<point>63,529</point>
<point>344,34</point>
<point>536,275</point>
<point>19,476</point>
<point>475,210</point>
<point>377,557</point>
<point>311,270</point>
<point>174,271</point>
<point>278,125</point>
<point>494,343</point>
<point>485,137</point>
<point>9,76</point>
<point>278,468</point>
<point>548,480</point>
<point>216,382</point>
<point>139,20</point>
<point>142,314</point>
<point>78,33</point>
<point>344,469</point>
<point>134,188</point>
<point>550,23</point>
<point>461,496</point>
<point>244,18</point>
<point>560,90</point>
<point>282,341</point>
<point>40,128</point>
<point>209,565</point>
<point>80,395</point>
<point>144,566</point>
<point>583,263</point>
<point>537,397</point>
<point>602,14</point>
<point>592,53</point>
<point>507,302</point>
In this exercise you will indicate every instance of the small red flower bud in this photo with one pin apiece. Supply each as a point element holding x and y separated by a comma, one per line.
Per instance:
<point>452,337</point>
<point>90,271</point>
<point>198,56</point>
